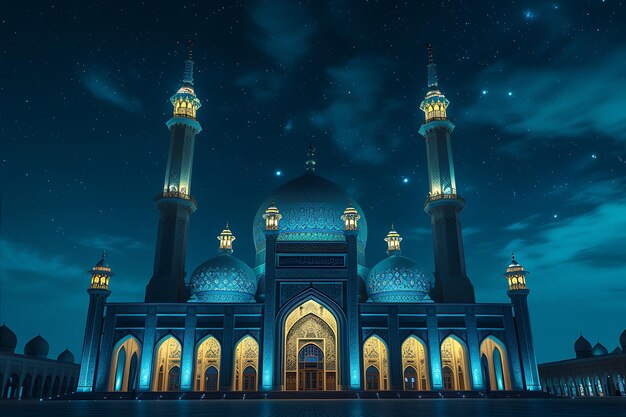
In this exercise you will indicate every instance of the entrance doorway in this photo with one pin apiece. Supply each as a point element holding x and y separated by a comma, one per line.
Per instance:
<point>311,368</point>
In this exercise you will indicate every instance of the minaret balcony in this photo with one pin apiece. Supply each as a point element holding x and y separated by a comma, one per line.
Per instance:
<point>177,194</point>
<point>439,199</point>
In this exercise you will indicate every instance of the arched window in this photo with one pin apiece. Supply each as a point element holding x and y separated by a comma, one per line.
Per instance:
<point>167,365</point>
<point>119,372</point>
<point>208,354</point>
<point>414,357</point>
<point>454,363</point>
<point>496,376</point>
<point>123,374</point>
<point>64,386</point>
<point>376,358</point>
<point>55,387</point>
<point>47,386</point>
<point>246,364</point>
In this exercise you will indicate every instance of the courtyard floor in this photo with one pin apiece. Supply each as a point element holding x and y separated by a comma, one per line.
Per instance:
<point>606,407</point>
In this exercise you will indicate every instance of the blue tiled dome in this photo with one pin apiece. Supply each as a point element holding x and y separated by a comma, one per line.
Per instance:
<point>397,279</point>
<point>223,279</point>
<point>311,207</point>
<point>66,356</point>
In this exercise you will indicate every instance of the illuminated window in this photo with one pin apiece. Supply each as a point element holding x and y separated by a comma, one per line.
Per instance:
<point>376,364</point>
<point>454,364</point>
<point>246,365</point>
<point>166,374</point>
<point>208,355</point>
<point>124,365</point>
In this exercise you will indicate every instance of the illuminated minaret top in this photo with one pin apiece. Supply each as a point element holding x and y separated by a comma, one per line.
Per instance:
<point>443,202</point>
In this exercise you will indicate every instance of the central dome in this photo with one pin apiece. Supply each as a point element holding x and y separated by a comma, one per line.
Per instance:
<point>311,207</point>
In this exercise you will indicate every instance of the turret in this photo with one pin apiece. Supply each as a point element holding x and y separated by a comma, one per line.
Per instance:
<point>350,218</point>
<point>226,239</point>
<point>98,291</point>
<point>175,203</point>
<point>393,240</point>
<point>443,202</point>
<point>518,292</point>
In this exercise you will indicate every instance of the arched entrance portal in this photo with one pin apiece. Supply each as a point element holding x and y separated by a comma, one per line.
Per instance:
<point>310,347</point>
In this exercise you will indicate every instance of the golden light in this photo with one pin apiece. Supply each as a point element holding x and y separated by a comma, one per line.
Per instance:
<point>272,216</point>
<point>350,218</point>
<point>226,239</point>
<point>393,240</point>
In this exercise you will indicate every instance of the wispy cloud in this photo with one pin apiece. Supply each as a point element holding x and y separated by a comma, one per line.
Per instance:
<point>16,258</point>
<point>118,244</point>
<point>285,30</point>
<point>545,103</point>
<point>107,90</point>
<point>360,114</point>
<point>264,85</point>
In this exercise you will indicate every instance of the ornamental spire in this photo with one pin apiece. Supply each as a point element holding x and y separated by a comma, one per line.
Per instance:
<point>310,158</point>
<point>435,103</point>
<point>432,67</point>
<point>188,74</point>
<point>100,274</point>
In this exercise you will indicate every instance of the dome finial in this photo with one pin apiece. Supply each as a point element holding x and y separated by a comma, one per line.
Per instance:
<point>393,240</point>
<point>432,67</point>
<point>310,161</point>
<point>226,239</point>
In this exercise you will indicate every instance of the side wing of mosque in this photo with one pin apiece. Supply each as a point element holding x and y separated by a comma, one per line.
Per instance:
<point>310,314</point>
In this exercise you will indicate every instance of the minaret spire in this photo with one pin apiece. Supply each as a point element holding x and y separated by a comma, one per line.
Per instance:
<point>310,158</point>
<point>432,67</point>
<point>188,74</point>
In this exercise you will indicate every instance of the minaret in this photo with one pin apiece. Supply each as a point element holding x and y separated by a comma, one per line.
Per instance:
<point>98,293</point>
<point>443,203</point>
<point>518,292</point>
<point>175,203</point>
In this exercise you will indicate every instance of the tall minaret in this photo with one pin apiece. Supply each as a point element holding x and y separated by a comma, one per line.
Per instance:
<point>518,292</point>
<point>175,202</point>
<point>443,203</point>
<point>98,293</point>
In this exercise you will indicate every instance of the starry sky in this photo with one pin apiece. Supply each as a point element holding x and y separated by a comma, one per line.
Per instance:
<point>538,97</point>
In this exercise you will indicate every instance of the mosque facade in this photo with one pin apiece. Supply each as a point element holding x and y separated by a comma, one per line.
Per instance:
<point>309,315</point>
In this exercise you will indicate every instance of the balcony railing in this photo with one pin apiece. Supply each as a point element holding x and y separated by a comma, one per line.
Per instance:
<point>437,197</point>
<point>176,194</point>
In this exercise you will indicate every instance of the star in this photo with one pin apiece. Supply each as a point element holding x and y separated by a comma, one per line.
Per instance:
<point>279,173</point>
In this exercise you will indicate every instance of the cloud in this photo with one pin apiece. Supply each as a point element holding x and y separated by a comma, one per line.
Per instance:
<point>264,85</point>
<point>104,89</point>
<point>361,114</point>
<point>586,97</point>
<point>285,30</point>
<point>118,244</point>
<point>16,258</point>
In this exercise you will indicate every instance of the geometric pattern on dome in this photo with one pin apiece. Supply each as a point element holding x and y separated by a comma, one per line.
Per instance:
<point>311,207</point>
<point>223,279</point>
<point>397,279</point>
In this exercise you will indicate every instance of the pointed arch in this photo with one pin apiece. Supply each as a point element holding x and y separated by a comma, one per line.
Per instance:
<point>376,364</point>
<point>207,364</point>
<point>121,377</point>
<point>246,364</point>
<point>454,366</point>
<point>310,323</point>
<point>166,371</point>
<point>415,356</point>
<point>499,377</point>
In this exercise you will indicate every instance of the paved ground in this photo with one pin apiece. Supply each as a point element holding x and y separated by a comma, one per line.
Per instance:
<point>611,407</point>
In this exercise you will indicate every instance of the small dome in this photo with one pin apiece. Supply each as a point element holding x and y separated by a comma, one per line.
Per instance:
<point>37,347</point>
<point>599,350</point>
<point>223,279</point>
<point>66,356</point>
<point>622,340</point>
<point>397,279</point>
<point>582,347</point>
<point>617,350</point>
<point>8,340</point>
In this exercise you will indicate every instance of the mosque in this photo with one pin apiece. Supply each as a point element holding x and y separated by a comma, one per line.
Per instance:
<point>310,315</point>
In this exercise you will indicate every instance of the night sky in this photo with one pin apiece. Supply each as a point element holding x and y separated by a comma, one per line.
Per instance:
<point>538,97</point>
